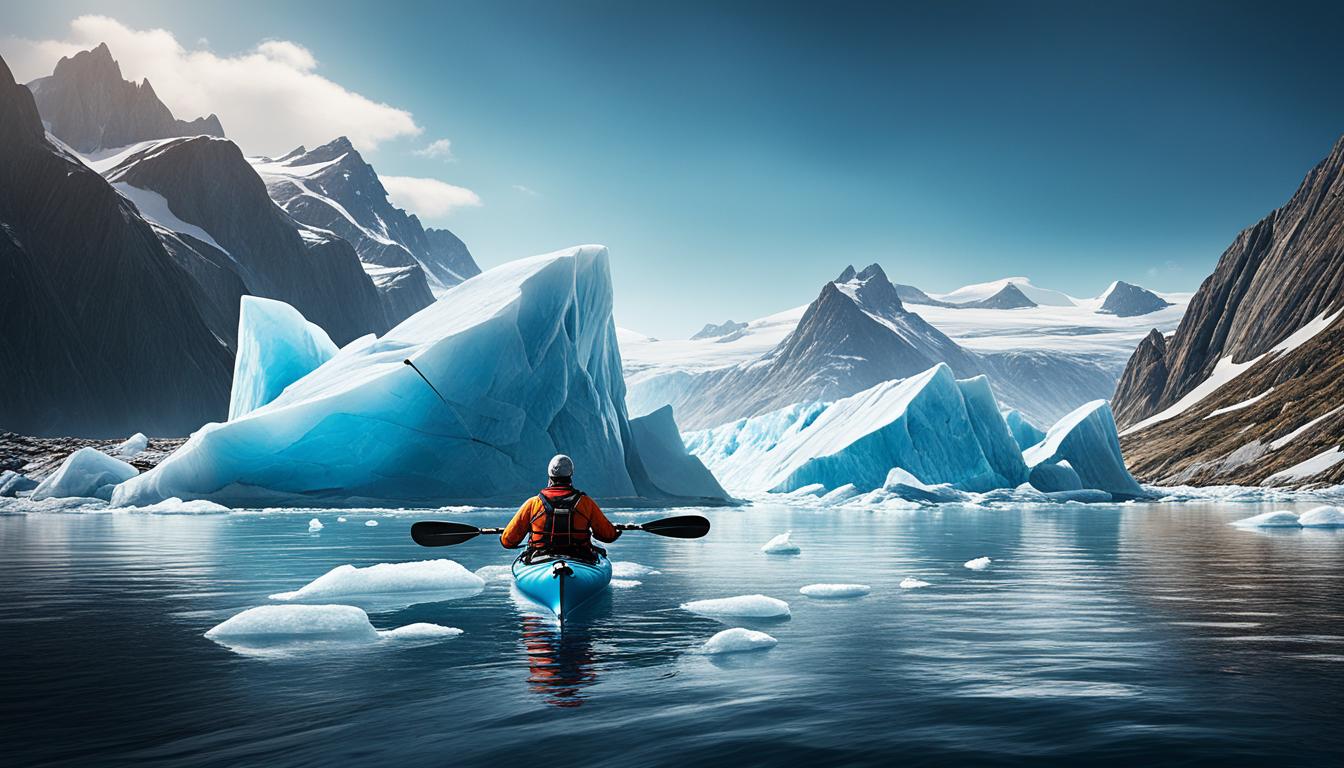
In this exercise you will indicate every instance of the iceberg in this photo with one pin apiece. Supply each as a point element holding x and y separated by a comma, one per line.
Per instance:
<point>1280,519</point>
<point>133,445</point>
<point>520,363</point>
<point>86,472</point>
<point>12,483</point>
<point>745,606</point>
<point>736,640</point>
<point>835,591</point>
<point>1322,517</point>
<point>780,545</point>
<point>277,346</point>
<point>1024,432</point>
<point>932,426</point>
<point>1085,438</point>
<point>978,564</point>
<point>424,576</point>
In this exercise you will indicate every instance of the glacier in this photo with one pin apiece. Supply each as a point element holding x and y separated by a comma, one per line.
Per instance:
<point>926,439</point>
<point>277,346</point>
<point>523,363</point>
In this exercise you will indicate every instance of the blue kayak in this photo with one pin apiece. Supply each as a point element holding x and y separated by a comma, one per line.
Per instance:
<point>561,584</point>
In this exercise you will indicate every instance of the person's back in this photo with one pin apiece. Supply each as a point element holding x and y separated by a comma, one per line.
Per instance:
<point>560,518</point>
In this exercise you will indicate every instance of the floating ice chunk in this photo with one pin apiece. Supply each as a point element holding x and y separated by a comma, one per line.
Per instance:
<point>1280,519</point>
<point>388,579</point>
<point>624,569</point>
<point>308,622</point>
<point>86,472</point>
<point>978,564</point>
<point>1322,517</point>
<point>133,445</point>
<point>902,484</point>
<point>12,483</point>
<point>177,506</point>
<point>736,640</point>
<point>909,582</point>
<point>489,573</point>
<point>625,583</point>
<point>371,523</point>
<point>419,631</point>
<point>1054,478</point>
<point>843,493</point>
<point>340,519</point>
<point>1087,440</point>
<point>748,606</point>
<point>1083,495</point>
<point>780,545</point>
<point>826,591</point>
<point>277,346</point>
<point>314,525</point>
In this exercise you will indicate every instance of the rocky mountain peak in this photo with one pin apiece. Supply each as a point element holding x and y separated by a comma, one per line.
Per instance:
<point>871,291</point>
<point>1129,300</point>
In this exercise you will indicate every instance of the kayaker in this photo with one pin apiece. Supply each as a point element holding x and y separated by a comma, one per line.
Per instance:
<point>559,519</point>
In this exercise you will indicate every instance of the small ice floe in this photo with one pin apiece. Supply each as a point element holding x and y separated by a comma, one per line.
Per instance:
<point>315,525</point>
<point>780,545</point>
<point>371,523</point>
<point>1322,517</point>
<point>340,519</point>
<point>736,640</point>
<point>625,583</point>
<point>1280,519</point>
<point>176,506</point>
<point>133,445</point>
<point>287,629</point>
<point>419,631</point>
<point>489,573</point>
<point>909,582</point>
<point>747,606</point>
<point>624,569</point>
<point>87,472</point>
<point>420,577</point>
<point>978,564</point>
<point>835,591</point>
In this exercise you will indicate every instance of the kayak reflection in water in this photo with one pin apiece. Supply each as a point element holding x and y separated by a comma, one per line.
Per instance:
<point>560,664</point>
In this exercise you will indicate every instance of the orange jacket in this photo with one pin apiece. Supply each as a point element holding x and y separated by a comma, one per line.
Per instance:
<point>531,519</point>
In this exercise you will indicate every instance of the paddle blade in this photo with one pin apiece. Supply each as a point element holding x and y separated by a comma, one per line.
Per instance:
<point>432,533</point>
<point>682,527</point>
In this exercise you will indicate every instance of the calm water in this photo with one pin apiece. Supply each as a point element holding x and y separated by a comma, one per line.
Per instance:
<point>1111,634</point>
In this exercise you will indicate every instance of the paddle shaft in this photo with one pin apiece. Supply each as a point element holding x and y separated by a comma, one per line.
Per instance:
<point>439,534</point>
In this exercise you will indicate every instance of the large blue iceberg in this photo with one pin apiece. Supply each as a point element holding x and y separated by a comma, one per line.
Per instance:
<point>927,438</point>
<point>277,346</point>
<point>521,363</point>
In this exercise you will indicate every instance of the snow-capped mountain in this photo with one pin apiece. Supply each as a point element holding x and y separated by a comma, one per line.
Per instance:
<point>86,104</point>
<point>1008,297</point>
<point>981,291</point>
<point>1248,388</point>
<point>332,188</point>
<point>1129,300</point>
<point>856,334</point>
<point>208,198</point>
<point>103,331</point>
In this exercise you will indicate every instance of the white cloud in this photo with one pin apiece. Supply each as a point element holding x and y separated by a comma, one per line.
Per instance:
<point>428,198</point>
<point>439,148</point>
<point>526,190</point>
<point>269,99</point>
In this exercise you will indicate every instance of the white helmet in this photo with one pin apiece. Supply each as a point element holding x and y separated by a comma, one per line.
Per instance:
<point>560,466</point>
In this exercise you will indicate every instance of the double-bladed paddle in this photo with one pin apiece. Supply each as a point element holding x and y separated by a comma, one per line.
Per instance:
<point>434,533</point>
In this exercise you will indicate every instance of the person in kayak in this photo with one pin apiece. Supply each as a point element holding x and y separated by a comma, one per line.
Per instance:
<point>560,519</point>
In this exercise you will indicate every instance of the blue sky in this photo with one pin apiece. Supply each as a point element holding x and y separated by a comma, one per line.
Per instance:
<point>734,156</point>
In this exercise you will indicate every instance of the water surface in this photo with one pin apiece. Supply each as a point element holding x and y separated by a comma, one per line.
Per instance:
<point>1113,634</point>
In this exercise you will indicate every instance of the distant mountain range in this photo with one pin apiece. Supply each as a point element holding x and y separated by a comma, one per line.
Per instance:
<point>130,236</point>
<point>1248,388</point>
<point>857,333</point>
